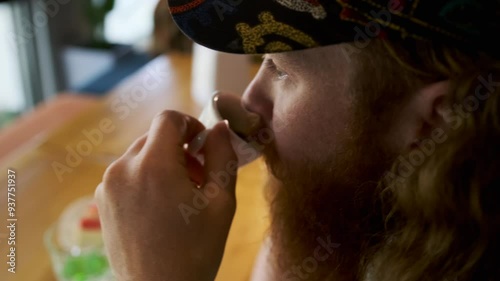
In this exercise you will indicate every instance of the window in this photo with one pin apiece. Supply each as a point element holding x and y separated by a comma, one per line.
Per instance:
<point>39,69</point>
<point>131,21</point>
<point>12,99</point>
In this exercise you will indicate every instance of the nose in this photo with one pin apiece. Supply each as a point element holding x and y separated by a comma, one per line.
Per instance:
<point>258,99</point>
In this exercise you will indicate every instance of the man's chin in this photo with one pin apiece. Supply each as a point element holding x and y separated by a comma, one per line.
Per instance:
<point>313,206</point>
<point>308,231</point>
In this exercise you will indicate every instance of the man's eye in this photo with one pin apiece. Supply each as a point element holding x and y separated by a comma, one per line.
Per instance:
<point>278,73</point>
<point>281,75</point>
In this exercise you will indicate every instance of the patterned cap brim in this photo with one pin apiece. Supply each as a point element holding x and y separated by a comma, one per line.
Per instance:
<point>268,26</point>
<point>261,26</point>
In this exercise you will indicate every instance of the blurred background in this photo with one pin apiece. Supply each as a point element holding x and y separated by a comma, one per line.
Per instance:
<point>80,80</point>
<point>82,46</point>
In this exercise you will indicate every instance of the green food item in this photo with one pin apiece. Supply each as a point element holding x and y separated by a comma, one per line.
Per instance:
<point>85,266</point>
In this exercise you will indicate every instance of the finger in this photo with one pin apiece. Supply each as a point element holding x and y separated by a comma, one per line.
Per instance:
<point>221,163</point>
<point>169,131</point>
<point>137,145</point>
<point>195,169</point>
<point>98,193</point>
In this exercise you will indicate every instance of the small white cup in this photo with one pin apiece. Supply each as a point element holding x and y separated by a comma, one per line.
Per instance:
<point>209,117</point>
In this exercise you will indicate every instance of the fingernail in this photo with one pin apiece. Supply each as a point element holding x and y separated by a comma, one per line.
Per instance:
<point>197,143</point>
<point>227,127</point>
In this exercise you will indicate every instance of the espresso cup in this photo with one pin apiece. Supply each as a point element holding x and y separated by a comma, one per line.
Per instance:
<point>227,107</point>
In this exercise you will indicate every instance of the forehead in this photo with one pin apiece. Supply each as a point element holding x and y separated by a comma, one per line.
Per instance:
<point>314,56</point>
<point>318,61</point>
<point>292,58</point>
<point>298,62</point>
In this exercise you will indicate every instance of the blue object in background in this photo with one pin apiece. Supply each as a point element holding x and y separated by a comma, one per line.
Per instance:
<point>123,67</point>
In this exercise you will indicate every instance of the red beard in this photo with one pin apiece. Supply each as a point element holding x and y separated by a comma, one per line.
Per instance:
<point>324,217</point>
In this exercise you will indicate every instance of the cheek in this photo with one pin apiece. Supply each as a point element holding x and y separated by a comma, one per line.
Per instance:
<point>310,129</point>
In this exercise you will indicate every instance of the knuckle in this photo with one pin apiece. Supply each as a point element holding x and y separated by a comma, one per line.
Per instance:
<point>114,174</point>
<point>170,117</point>
<point>114,170</point>
<point>98,193</point>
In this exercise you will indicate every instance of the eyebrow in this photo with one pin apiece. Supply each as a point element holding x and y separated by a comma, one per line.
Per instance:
<point>296,61</point>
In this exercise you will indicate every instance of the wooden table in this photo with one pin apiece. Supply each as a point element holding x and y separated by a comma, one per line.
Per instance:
<point>33,127</point>
<point>125,114</point>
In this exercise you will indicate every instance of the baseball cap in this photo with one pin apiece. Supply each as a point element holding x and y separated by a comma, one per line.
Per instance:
<point>270,26</point>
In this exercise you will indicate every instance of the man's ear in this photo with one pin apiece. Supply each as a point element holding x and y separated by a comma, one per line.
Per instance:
<point>430,102</point>
<point>421,115</point>
<point>429,108</point>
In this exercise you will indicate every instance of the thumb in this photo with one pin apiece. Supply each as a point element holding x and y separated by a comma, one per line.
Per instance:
<point>221,163</point>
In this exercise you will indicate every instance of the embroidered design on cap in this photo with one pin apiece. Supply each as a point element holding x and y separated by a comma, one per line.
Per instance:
<point>310,6</point>
<point>253,36</point>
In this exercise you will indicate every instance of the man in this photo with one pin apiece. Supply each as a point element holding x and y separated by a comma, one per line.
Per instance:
<point>384,152</point>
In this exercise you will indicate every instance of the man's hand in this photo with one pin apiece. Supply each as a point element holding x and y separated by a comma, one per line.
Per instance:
<point>146,193</point>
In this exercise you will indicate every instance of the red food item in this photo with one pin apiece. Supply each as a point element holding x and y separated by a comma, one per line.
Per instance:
<point>90,224</point>
<point>90,221</point>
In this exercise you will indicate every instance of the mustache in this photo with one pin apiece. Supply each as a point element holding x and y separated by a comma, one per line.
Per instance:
<point>264,141</point>
<point>265,135</point>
